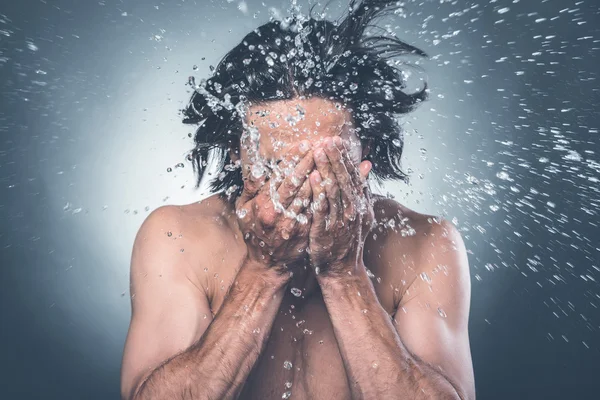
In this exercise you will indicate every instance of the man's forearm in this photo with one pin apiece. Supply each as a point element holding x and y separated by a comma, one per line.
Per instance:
<point>217,366</point>
<point>377,363</point>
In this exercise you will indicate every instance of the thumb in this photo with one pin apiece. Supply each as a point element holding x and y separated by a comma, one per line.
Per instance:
<point>252,185</point>
<point>364,168</point>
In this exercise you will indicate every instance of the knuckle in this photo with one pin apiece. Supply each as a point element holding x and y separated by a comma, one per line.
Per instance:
<point>293,181</point>
<point>250,185</point>
<point>267,217</point>
<point>303,194</point>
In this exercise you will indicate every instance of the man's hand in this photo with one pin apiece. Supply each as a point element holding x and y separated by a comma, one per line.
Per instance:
<point>342,210</point>
<point>278,238</point>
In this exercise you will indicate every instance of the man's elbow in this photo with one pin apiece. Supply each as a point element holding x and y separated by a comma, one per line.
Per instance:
<point>441,388</point>
<point>453,392</point>
<point>133,390</point>
<point>129,393</point>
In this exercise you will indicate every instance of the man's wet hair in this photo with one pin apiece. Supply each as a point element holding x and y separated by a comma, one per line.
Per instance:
<point>302,56</point>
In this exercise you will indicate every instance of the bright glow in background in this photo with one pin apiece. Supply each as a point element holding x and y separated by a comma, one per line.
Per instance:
<point>90,124</point>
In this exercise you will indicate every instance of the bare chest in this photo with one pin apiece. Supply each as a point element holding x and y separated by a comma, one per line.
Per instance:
<point>301,359</point>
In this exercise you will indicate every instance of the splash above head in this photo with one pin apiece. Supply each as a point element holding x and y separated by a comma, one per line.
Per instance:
<point>304,77</point>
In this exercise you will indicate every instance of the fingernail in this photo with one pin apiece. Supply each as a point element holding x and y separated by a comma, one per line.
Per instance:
<point>320,154</point>
<point>316,177</point>
<point>304,146</point>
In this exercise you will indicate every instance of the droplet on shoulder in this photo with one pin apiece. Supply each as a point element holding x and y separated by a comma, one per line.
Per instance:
<point>425,277</point>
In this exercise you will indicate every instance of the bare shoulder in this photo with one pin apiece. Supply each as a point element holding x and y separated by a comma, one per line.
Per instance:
<point>395,220</point>
<point>180,221</point>
<point>192,232</point>
<point>405,243</point>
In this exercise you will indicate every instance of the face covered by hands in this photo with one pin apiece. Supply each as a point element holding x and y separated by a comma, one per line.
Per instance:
<point>270,212</point>
<point>342,213</point>
<point>339,216</point>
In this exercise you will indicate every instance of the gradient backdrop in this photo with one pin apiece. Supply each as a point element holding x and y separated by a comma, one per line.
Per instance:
<point>507,148</point>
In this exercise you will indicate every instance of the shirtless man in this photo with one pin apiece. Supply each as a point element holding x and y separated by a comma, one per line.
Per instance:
<point>234,297</point>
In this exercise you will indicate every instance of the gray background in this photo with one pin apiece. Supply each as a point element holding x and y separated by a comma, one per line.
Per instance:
<point>90,92</point>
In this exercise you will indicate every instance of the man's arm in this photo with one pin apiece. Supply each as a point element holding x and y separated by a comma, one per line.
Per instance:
<point>174,348</point>
<point>424,352</point>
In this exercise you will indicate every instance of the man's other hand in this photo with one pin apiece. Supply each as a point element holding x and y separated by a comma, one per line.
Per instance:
<point>274,237</point>
<point>342,209</point>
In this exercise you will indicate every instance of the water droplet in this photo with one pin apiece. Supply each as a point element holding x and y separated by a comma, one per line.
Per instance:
<point>258,170</point>
<point>243,7</point>
<point>296,292</point>
<point>169,234</point>
<point>241,213</point>
<point>302,219</point>
<point>573,156</point>
<point>425,277</point>
<point>287,365</point>
<point>442,312</point>
<point>503,175</point>
<point>286,395</point>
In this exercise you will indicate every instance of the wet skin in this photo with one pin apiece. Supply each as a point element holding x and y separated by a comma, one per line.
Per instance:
<point>391,323</point>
